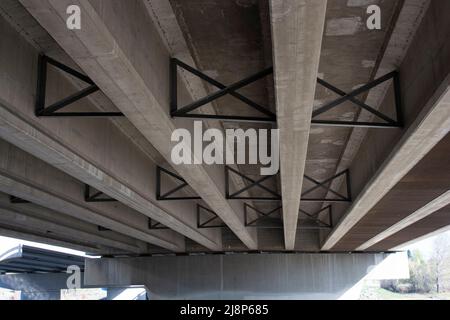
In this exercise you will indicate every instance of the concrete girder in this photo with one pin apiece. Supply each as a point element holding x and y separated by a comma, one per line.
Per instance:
<point>425,90</point>
<point>30,235</point>
<point>93,151</point>
<point>297,30</point>
<point>132,71</point>
<point>430,208</point>
<point>42,219</point>
<point>24,176</point>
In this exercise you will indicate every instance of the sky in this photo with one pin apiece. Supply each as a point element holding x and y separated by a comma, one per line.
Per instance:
<point>425,246</point>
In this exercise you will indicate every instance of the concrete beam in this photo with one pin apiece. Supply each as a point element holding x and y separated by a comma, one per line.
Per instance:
<point>29,178</point>
<point>424,237</point>
<point>388,155</point>
<point>403,33</point>
<point>46,239</point>
<point>132,72</point>
<point>41,219</point>
<point>297,30</point>
<point>93,151</point>
<point>433,206</point>
<point>430,126</point>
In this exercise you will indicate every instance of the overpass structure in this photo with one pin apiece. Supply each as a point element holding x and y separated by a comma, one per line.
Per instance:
<point>87,115</point>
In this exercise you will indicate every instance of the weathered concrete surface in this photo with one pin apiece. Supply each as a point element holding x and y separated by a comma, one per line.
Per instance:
<point>131,72</point>
<point>42,220</point>
<point>269,276</point>
<point>29,178</point>
<point>430,208</point>
<point>297,29</point>
<point>92,150</point>
<point>390,155</point>
<point>402,34</point>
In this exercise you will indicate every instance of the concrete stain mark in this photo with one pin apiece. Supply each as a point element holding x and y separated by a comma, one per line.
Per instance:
<point>344,26</point>
<point>349,116</point>
<point>212,73</point>
<point>368,63</point>
<point>316,131</point>
<point>361,3</point>
<point>333,142</point>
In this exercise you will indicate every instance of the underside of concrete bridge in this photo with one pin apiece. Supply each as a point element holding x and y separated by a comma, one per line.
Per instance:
<point>359,120</point>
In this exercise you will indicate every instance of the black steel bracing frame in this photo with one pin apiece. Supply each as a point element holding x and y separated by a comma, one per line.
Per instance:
<point>388,122</point>
<point>261,215</point>
<point>41,110</point>
<point>340,197</point>
<point>155,225</point>
<point>16,200</point>
<point>253,183</point>
<point>185,111</point>
<point>167,195</point>
<point>264,215</point>
<point>206,224</point>
<point>102,229</point>
<point>320,223</point>
<point>97,196</point>
<point>277,197</point>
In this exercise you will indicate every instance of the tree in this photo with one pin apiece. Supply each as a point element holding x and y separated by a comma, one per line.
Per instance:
<point>439,261</point>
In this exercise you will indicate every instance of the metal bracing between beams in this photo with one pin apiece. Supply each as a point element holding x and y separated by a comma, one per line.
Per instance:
<point>155,225</point>
<point>97,196</point>
<point>261,216</point>
<point>253,183</point>
<point>167,195</point>
<point>185,111</point>
<point>206,224</point>
<point>389,122</point>
<point>41,110</point>
<point>277,197</point>
<point>318,184</point>
<point>16,200</point>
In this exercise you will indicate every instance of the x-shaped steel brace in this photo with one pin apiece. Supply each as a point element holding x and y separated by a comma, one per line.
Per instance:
<point>51,111</point>
<point>96,197</point>
<point>318,184</point>
<point>252,184</point>
<point>155,225</point>
<point>315,218</point>
<point>223,90</point>
<point>205,224</point>
<point>261,215</point>
<point>166,196</point>
<point>389,122</point>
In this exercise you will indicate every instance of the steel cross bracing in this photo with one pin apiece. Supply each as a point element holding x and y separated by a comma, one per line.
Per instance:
<point>186,111</point>
<point>41,110</point>
<point>16,200</point>
<point>276,196</point>
<point>261,216</point>
<point>388,121</point>
<point>206,223</point>
<point>97,196</point>
<point>167,195</point>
